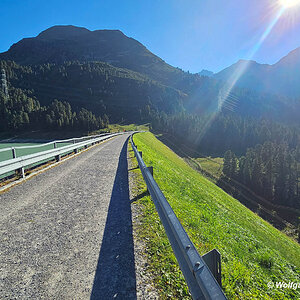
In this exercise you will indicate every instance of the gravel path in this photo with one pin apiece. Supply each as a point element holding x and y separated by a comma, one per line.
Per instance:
<point>67,232</point>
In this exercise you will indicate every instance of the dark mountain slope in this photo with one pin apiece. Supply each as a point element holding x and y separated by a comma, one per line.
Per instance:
<point>96,86</point>
<point>59,44</point>
<point>69,43</point>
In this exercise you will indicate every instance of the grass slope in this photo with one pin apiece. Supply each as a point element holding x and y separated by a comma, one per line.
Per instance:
<point>213,166</point>
<point>253,252</point>
<point>129,127</point>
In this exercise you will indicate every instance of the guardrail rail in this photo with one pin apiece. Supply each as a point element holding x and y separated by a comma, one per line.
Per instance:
<point>25,161</point>
<point>202,274</point>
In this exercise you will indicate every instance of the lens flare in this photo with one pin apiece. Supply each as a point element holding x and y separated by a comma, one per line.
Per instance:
<point>289,3</point>
<point>228,87</point>
<point>227,99</point>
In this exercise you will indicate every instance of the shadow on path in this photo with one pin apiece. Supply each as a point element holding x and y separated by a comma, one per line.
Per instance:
<point>115,273</point>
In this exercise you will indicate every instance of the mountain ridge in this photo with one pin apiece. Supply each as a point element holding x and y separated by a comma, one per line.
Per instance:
<point>282,77</point>
<point>59,51</point>
<point>62,43</point>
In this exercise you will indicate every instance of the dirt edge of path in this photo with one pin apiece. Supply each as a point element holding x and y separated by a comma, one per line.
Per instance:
<point>144,283</point>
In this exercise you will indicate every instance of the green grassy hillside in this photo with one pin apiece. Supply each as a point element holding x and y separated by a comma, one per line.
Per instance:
<point>211,165</point>
<point>253,252</point>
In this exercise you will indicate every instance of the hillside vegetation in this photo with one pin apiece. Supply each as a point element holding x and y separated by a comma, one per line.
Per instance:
<point>106,72</point>
<point>253,252</point>
<point>96,86</point>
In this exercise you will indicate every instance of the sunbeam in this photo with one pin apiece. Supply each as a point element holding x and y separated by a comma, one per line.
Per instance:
<point>289,3</point>
<point>226,99</point>
<point>227,88</point>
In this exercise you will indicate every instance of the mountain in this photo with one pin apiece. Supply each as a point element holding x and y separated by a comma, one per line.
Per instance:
<point>70,43</point>
<point>107,72</point>
<point>60,45</point>
<point>282,78</point>
<point>206,73</point>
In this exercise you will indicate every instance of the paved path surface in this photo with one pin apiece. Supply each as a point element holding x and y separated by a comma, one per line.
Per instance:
<point>67,233</point>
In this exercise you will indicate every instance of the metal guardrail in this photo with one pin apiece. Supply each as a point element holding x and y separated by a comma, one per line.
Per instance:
<point>199,277</point>
<point>54,143</point>
<point>20,163</point>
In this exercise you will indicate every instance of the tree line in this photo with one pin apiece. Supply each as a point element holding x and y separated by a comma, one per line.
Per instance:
<point>97,86</point>
<point>20,112</point>
<point>214,134</point>
<point>270,170</point>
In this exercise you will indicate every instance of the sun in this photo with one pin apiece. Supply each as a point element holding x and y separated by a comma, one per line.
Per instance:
<point>289,3</point>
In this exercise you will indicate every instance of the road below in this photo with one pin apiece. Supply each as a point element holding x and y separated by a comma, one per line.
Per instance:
<point>67,232</point>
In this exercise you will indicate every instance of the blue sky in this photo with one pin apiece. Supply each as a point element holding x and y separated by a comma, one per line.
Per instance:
<point>190,34</point>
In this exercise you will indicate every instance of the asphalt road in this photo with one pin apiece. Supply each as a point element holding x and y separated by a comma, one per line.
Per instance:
<point>67,232</point>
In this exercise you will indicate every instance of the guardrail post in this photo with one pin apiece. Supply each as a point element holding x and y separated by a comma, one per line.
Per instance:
<point>22,173</point>
<point>14,154</point>
<point>54,146</point>
<point>76,151</point>
<point>151,170</point>
<point>57,157</point>
<point>213,261</point>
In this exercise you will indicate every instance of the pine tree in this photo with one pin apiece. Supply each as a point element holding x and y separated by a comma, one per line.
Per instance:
<point>280,187</point>
<point>227,166</point>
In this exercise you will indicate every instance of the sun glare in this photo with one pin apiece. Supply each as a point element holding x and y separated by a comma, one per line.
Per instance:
<point>289,3</point>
